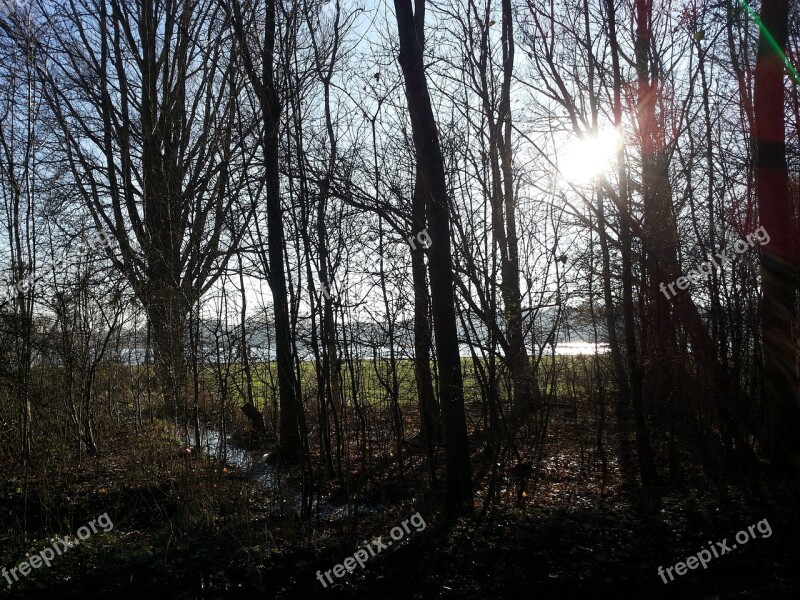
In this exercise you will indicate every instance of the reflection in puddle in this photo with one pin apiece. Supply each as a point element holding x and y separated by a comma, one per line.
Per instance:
<point>254,463</point>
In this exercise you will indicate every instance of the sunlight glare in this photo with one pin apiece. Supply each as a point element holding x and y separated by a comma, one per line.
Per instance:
<point>581,160</point>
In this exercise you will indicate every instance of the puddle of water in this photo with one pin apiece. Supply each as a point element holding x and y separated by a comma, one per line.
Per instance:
<point>250,461</point>
<point>253,462</point>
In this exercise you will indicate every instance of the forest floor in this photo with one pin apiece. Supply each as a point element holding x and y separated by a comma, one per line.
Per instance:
<point>188,528</point>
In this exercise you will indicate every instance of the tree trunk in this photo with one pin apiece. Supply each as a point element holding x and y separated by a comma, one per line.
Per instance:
<point>504,224</point>
<point>647,467</point>
<point>168,313</point>
<point>430,162</point>
<point>660,238</point>
<point>526,390</point>
<point>292,419</point>
<point>430,421</point>
<point>779,268</point>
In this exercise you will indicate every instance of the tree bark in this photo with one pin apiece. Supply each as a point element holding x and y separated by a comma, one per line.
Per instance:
<point>660,239</point>
<point>779,268</point>
<point>430,162</point>
<point>503,202</point>
<point>647,467</point>
<point>291,427</point>
<point>430,421</point>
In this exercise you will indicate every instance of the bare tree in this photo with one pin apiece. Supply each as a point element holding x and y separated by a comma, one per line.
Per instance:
<point>411,29</point>
<point>779,269</point>
<point>145,97</point>
<point>258,50</point>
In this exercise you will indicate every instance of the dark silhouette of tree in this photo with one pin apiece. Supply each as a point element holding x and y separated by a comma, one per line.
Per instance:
<point>779,268</point>
<point>144,95</point>
<point>430,162</point>
<point>259,52</point>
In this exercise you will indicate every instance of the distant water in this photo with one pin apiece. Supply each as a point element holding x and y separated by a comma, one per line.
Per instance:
<point>403,351</point>
<point>580,348</point>
<point>136,356</point>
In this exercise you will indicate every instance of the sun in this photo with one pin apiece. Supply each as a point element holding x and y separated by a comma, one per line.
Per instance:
<point>581,160</point>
